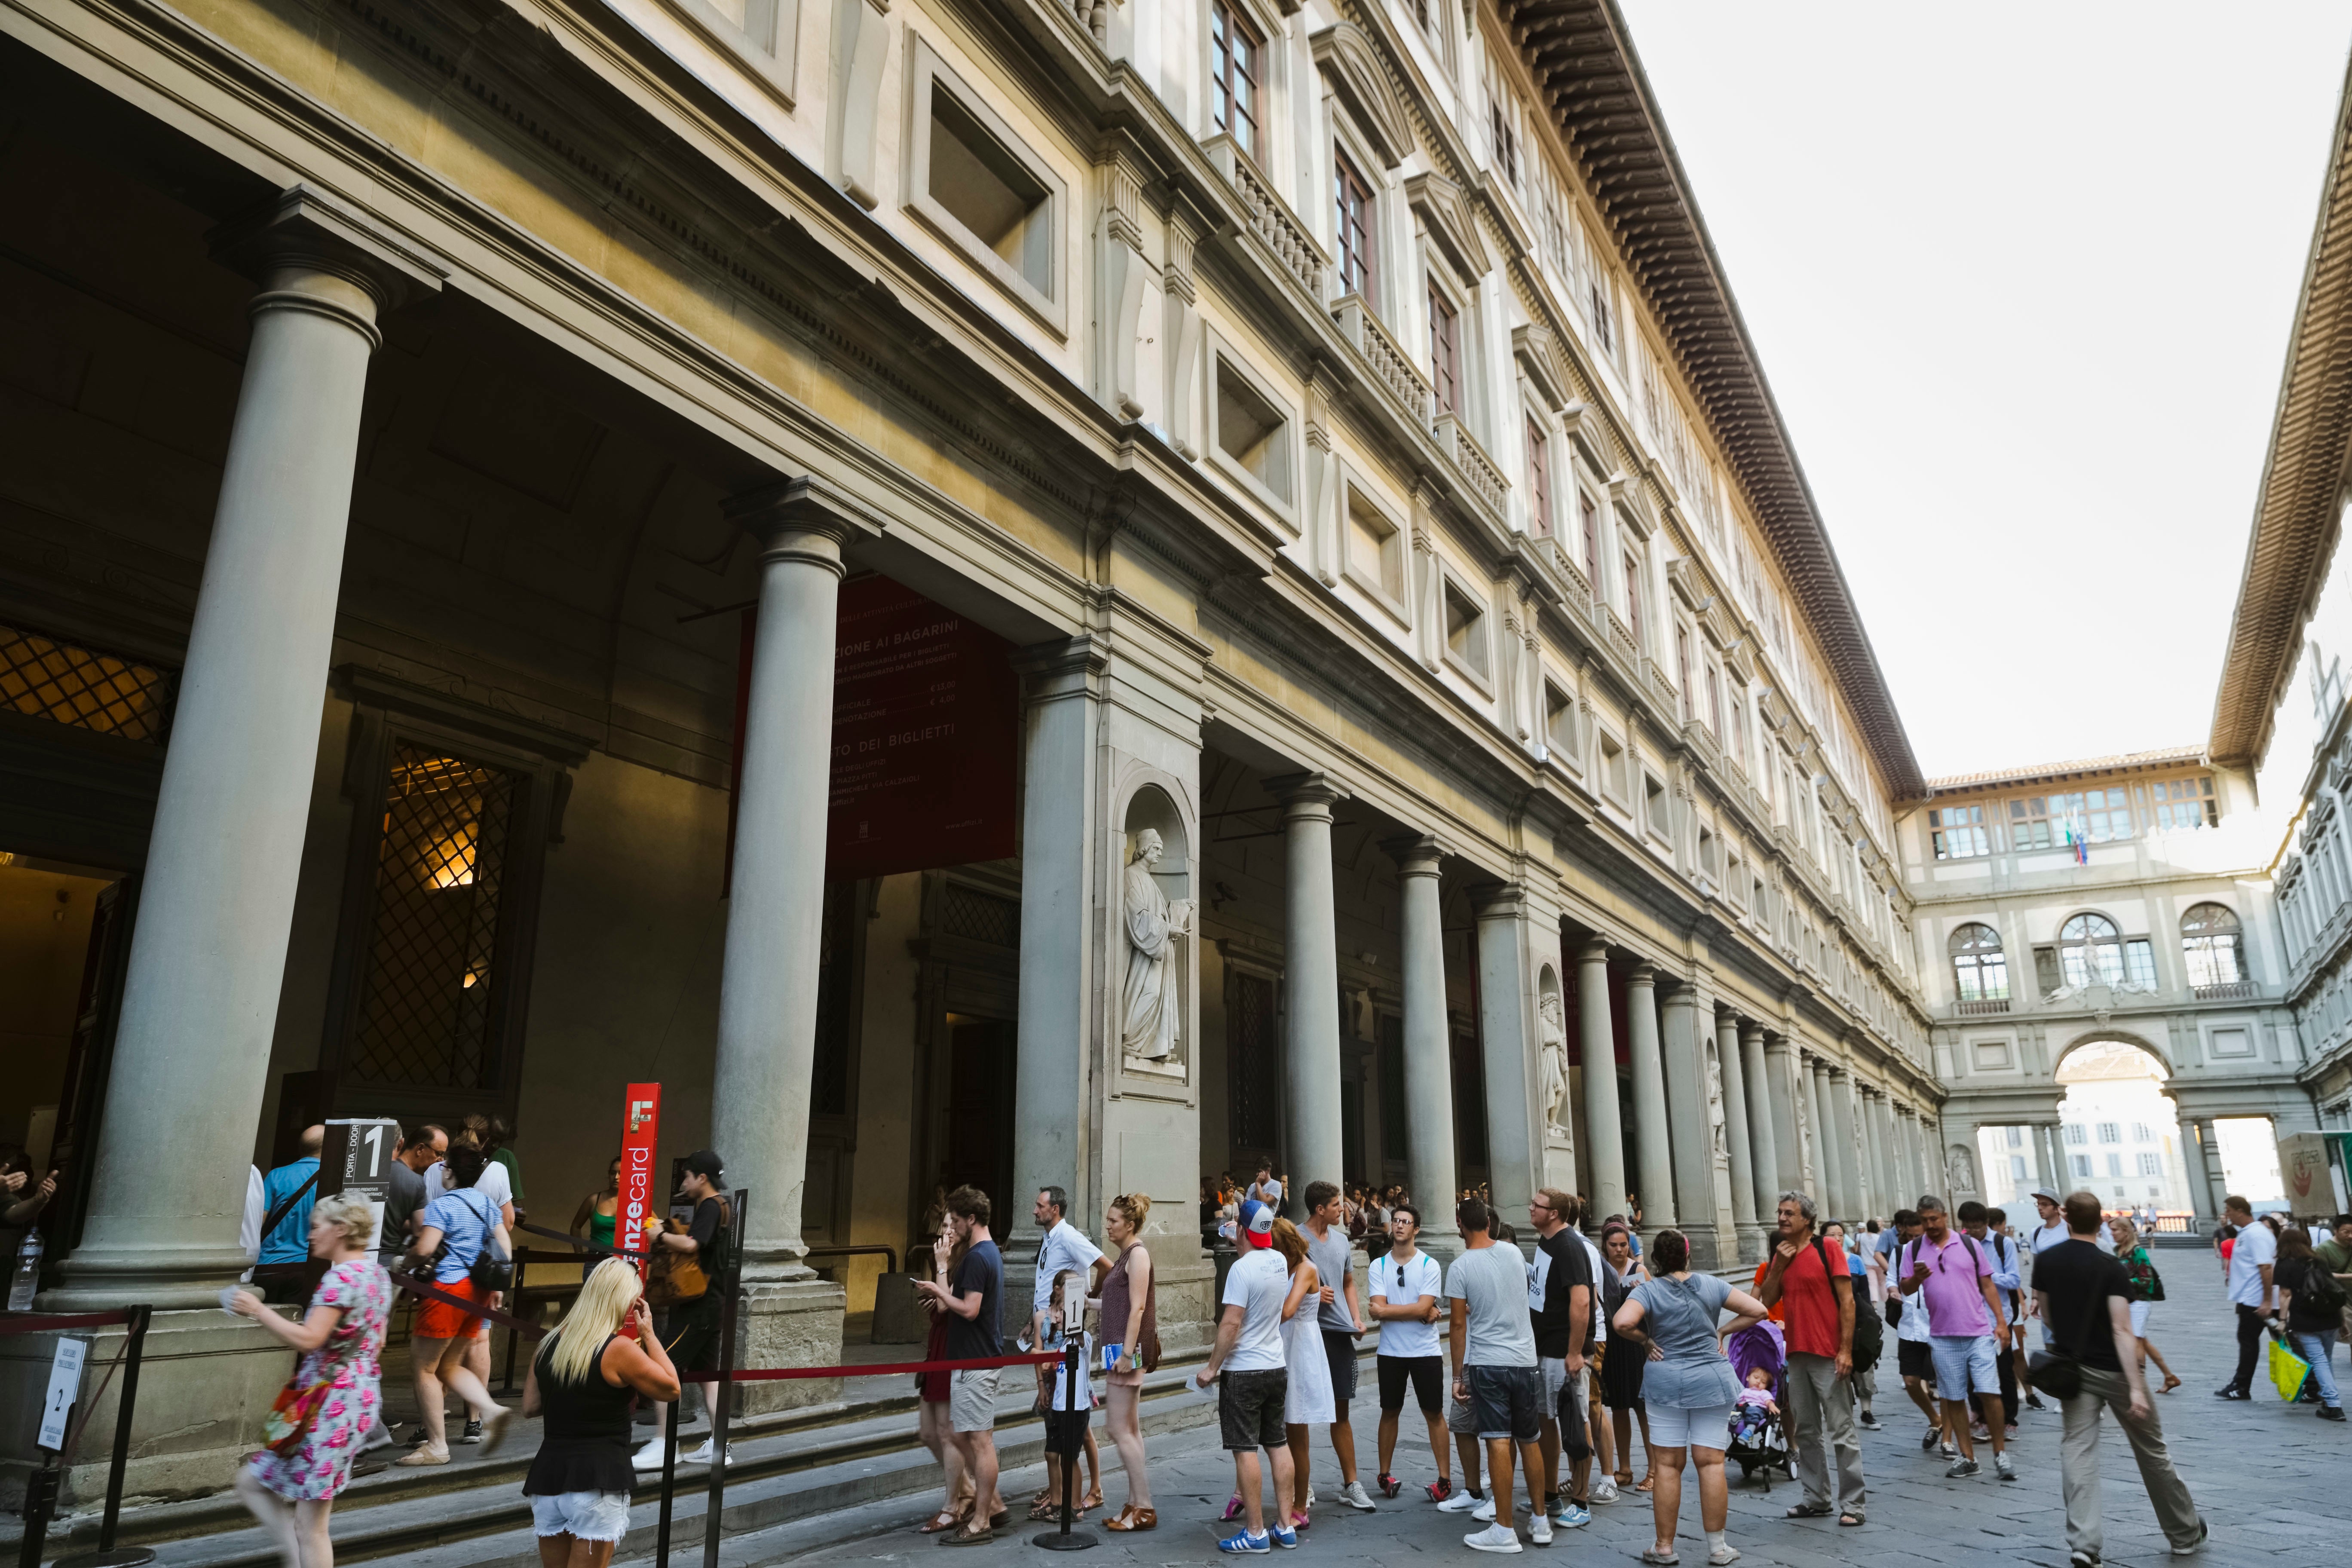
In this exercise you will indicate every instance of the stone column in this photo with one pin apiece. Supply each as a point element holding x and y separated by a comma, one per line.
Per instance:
<point>1763,1127</point>
<point>216,903</point>
<point>1687,1030</point>
<point>1784,1083</point>
<point>1507,1045</point>
<point>1911,1183</point>
<point>2197,1153</point>
<point>1735,1131</point>
<point>1310,981</point>
<point>1829,1172</point>
<point>1880,1186</point>
<point>1428,1062</point>
<point>1653,1155</point>
<point>1851,1195</point>
<point>1060,732</point>
<point>1882,1109</point>
<point>775,921</point>
<point>1605,1141</point>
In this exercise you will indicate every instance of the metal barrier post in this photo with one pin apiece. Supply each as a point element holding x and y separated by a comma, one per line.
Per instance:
<point>1072,1450</point>
<point>721,1390</point>
<point>40,1504</point>
<point>107,1556</point>
<point>669,1479</point>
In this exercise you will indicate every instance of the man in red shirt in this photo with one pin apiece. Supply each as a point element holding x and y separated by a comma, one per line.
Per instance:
<point>1807,1277</point>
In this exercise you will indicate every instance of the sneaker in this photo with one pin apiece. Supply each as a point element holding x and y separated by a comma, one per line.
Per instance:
<point>647,1457</point>
<point>2197,1545</point>
<point>1571,1514</point>
<point>2004,1466</point>
<point>1440,1490</point>
<point>1540,1530</point>
<point>2331,1413</point>
<point>1961,1469</point>
<point>2081,1557</point>
<point>1463,1501</point>
<point>1869,1423</point>
<point>702,1455</point>
<point>1978,1431</point>
<point>2008,1432</point>
<point>1354,1497</point>
<point>2230,1393</point>
<point>1243,1540</point>
<point>2034,1402</point>
<point>1494,1538</point>
<point>1389,1485</point>
<point>1604,1489</point>
<point>1945,1450</point>
<point>1285,1539</point>
<point>1935,1435</point>
<point>1485,1512</point>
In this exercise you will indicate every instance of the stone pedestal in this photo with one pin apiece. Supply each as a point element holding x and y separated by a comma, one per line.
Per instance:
<point>898,1318</point>
<point>794,1322</point>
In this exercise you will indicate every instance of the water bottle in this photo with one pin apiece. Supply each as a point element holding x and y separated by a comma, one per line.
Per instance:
<point>28,1278</point>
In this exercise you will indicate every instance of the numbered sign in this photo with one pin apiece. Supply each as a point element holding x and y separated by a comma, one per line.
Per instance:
<point>64,1391</point>
<point>357,1158</point>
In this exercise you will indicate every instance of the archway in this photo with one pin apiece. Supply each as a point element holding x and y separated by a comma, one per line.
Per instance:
<point>2120,1134</point>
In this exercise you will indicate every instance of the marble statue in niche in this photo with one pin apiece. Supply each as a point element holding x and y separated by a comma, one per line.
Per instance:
<point>1715,1108</point>
<point>1959,1171</point>
<point>1555,1062</point>
<point>1151,999</point>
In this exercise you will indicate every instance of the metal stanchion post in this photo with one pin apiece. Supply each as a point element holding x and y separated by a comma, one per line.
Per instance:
<point>669,1478</point>
<point>107,1555</point>
<point>1072,1453</point>
<point>721,1391</point>
<point>40,1505</point>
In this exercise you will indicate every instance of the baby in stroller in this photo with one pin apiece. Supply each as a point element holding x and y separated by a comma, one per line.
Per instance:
<point>1758,1439</point>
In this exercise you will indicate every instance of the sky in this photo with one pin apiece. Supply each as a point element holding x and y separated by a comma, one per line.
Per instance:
<point>2021,279</point>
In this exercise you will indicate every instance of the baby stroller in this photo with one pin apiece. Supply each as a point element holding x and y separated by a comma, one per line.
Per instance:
<point>1759,1441</point>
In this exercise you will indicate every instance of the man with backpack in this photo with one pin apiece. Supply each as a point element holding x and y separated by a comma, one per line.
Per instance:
<point>1984,1227</point>
<point>1808,1279</point>
<point>1953,1276</point>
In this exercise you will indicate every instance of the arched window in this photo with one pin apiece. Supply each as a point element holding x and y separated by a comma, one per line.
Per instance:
<point>2090,949</point>
<point>1978,966</point>
<point>2214,946</point>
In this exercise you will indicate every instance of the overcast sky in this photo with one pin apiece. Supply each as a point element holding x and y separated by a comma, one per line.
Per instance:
<point>2021,279</point>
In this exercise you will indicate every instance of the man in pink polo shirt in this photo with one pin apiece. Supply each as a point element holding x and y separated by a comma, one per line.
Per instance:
<point>1954,1276</point>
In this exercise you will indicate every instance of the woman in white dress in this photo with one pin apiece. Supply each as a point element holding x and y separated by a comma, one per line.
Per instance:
<point>1309,1401</point>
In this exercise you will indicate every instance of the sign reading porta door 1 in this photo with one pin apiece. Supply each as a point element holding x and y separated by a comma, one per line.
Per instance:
<point>640,1129</point>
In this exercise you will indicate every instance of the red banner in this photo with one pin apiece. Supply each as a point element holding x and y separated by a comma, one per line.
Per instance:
<point>926,727</point>
<point>640,1129</point>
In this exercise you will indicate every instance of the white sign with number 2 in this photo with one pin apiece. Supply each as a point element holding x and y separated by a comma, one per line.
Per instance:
<point>65,1388</point>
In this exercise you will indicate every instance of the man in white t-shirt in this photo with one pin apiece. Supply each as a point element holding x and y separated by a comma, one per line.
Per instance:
<point>1406,1285</point>
<point>2253,1294</point>
<point>1266,1188</point>
<point>1065,1248</point>
<point>1252,1377</point>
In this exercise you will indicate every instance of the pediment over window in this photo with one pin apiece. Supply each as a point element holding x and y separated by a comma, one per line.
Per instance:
<point>1538,354</point>
<point>1345,57</point>
<point>1445,217</point>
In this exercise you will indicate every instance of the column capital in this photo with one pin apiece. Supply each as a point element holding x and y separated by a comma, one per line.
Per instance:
<point>1498,901</point>
<point>300,244</point>
<point>1749,1029</point>
<point>804,518</point>
<point>1644,972</point>
<point>1306,794</point>
<point>1416,854</point>
<point>1594,951</point>
<point>1062,666</point>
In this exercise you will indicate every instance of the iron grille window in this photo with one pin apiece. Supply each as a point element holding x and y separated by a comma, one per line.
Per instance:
<point>1359,267</point>
<point>1444,353</point>
<point>1234,74</point>
<point>1250,1067</point>
<point>69,684</point>
<point>428,1017</point>
<point>976,916</point>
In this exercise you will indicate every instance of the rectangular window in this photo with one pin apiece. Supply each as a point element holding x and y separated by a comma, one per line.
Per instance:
<point>90,689</point>
<point>1253,432</point>
<point>2140,965</point>
<point>1466,631</point>
<point>1604,329</point>
<point>2114,1164</point>
<point>1714,701</point>
<point>1633,599</point>
<point>2180,804</point>
<point>2046,822</point>
<point>1375,548</point>
<point>2082,1164</point>
<point>2017,1167</point>
<point>2015,1137</point>
<point>1958,832</point>
<point>1612,769</point>
<point>1235,51</point>
<point>2109,1132</point>
<point>2077,1134</point>
<point>2151,1164</point>
<point>1538,479</point>
<point>1444,353</point>
<point>1587,511</point>
<point>2140,1134</point>
<point>2029,826</point>
<point>1654,806</point>
<point>1506,137</point>
<point>1560,721</point>
<point>1682,674</point>
<point>1353,229</point>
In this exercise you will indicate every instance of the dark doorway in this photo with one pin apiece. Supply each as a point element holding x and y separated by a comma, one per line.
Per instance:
<point>981,1065</point>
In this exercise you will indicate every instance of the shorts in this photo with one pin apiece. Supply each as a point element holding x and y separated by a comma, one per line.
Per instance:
<point>1964,1363</point>
<point>1460,1419</point>
<point>1555,1378</point>
<point>1249,1409</point>
<point>1506,1401</point>
<point>971,1399</point>
<point>1673,1426</point>
<point>1340,1350</point>
<point>689,1332</point>
<point>583,1516</point>
<point>1913,1359</point>
<point>1426,1373</point>
<point>439,1321</point>
<point>2139,1318</point>
<point>1566,1401</point>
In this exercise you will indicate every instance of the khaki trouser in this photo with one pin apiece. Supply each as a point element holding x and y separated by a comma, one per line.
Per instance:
<point>2078,1464</point>
<point>1820,1419</point>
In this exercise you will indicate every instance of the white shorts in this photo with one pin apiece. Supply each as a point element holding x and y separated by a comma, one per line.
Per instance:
<point>1555,1378</point>
<point>583,1516</point>
<point>1672,1427</point>
<point>2139,1318</point>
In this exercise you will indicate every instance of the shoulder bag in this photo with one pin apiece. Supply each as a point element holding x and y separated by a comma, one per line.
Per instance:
<point>2058,1373</point>
<point>492,1268</point>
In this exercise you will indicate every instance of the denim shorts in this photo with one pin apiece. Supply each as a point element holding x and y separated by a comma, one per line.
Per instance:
<point>1506,1401</point>
<point>583,1516</point>
<point>1964,1363</point>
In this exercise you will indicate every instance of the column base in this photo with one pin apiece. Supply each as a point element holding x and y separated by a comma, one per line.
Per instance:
<point>1709,1250</point>
<point>1756,1242</point>
<point>1185,1293</point>
<point>206,1384</point>
<point>789,1322</point>
<point>166,1277</point>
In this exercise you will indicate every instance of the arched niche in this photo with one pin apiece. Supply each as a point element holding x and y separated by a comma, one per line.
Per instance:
<point>1551,1042</point>
<point>1157,931</point>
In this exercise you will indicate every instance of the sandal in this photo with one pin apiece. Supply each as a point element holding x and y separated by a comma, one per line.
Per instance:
<point>1849,1517</point>
<point>1094,1498</point>
<point>946,1519</point>
<point>1043,1510</point>
<point>2170,1382</point>
<point>1810,1510</point>
<point>1133,1518</point>
<point>1647,1483</point>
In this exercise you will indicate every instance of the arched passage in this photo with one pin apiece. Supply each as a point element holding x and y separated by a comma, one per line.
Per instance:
<point>2120,1134</point>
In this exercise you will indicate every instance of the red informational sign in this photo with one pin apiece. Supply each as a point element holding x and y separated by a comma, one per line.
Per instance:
<point>640,1196</point>
<point>926,730</point>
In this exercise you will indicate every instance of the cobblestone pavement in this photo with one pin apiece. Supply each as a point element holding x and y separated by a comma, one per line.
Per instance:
<point>2274,1483</point>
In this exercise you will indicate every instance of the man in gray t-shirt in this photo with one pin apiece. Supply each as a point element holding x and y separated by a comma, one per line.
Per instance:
<point>1341,1317</point>
<point>1495,1371</point>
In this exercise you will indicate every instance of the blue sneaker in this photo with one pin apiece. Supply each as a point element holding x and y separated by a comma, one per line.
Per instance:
<point>1570,1516</point>
<point>1243,1540</point>
<point>1285,1539</point>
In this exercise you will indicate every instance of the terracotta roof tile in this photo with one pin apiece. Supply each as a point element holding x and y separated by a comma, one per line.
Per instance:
<point>1954,783</point>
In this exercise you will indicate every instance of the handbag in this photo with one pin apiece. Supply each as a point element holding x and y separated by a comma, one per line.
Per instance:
<point>2287,1370</point>
<point>490,1270</point>
<point>284,1429</point>
<point>2059,1373</point>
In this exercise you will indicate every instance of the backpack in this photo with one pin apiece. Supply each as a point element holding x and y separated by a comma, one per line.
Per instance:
<point>2321,1291</point>
<point>1869,1333</point>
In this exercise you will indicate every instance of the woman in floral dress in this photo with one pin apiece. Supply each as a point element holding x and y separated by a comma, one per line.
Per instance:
<point>291,1485</point>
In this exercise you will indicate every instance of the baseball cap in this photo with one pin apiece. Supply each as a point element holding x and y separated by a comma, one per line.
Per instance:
<point>1256,1228</point>
<point>2053,1197</point>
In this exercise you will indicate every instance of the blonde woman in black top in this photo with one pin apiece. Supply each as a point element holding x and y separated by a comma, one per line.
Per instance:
<point>586,1376</point>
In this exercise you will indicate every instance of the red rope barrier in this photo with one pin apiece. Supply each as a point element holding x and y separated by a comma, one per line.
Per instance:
<point>47,1322</point>
<point>772,1373</point>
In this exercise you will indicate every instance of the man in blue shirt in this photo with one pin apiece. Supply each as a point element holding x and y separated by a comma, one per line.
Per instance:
<point>289,1241</point>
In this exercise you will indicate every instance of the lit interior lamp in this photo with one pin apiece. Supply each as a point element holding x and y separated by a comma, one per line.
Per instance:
<point>474,976</point>
<point>452,863</point>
